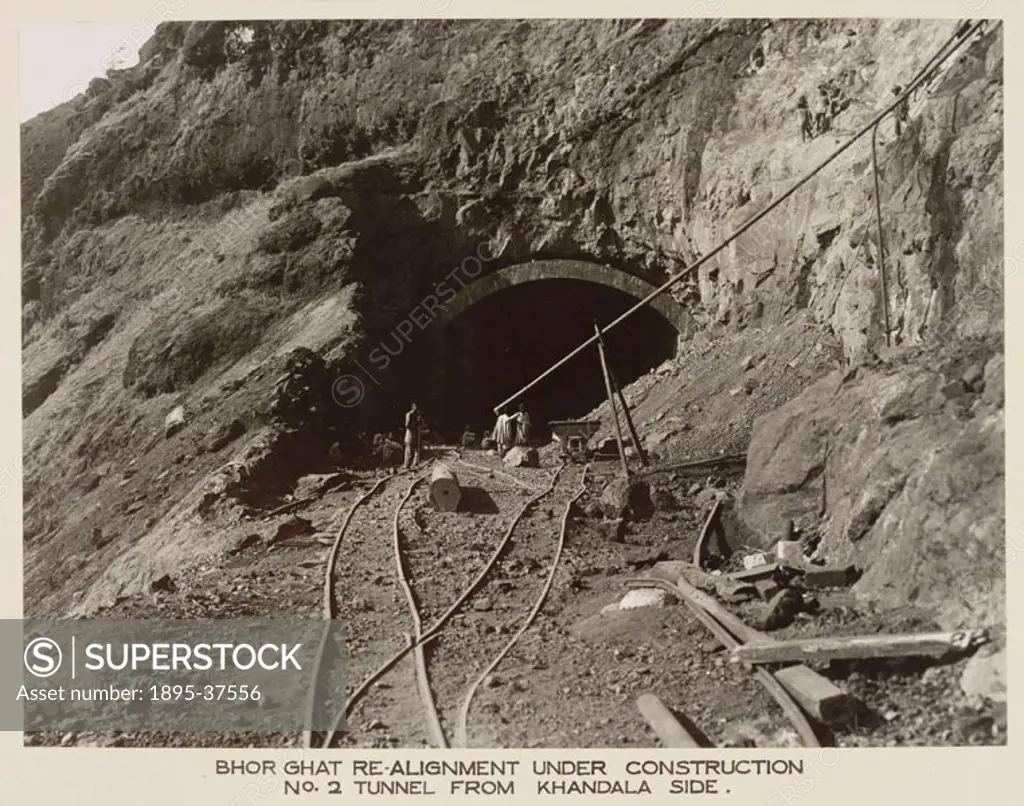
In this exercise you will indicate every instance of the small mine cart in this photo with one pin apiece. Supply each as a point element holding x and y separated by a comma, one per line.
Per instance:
<point>573,436</point>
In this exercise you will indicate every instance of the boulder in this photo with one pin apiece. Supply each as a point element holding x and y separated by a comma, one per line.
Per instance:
<point>315,484</point>
<point>985,674</point>
<point>658,438</point>
<point>706,497</point>
<point>663,499</point>
<point>292,527</point>
<point>609,446</point>
<point>767,589</point>
<point>174,421</point>
<point>786,462</point>
<point>520,456</point>
<point>781,610</point>
<point>758,733</point>
<point>639,598</point>
<point>733,591</point>
<point>627,499</point>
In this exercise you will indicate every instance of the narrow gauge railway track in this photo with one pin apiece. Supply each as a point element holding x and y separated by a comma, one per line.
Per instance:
<point>513,579</point>
<point>359,586</point>
<point>455,549</point>
<point>462,726</point>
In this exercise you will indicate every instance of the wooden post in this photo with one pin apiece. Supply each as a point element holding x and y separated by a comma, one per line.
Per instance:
<point>444,488</point>
<point>611,402</point>
<point>625,411</point>
<point>666,727</point>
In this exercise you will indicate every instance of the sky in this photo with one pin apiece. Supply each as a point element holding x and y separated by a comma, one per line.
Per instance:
<point>57,63</point>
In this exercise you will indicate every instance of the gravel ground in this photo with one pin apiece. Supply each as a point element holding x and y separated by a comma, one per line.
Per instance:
<point>572,679</point>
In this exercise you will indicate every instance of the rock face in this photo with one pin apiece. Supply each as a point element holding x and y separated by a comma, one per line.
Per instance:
<point>615,165</point>
<point>904,487</point>
<point>395,147</point>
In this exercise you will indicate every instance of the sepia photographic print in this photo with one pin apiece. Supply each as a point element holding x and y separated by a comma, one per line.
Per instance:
<point>615,383</point>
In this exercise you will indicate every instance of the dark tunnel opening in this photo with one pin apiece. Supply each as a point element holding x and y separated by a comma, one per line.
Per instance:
<point>503,342</point>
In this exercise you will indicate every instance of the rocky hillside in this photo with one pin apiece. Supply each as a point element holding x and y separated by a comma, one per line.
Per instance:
<point>225,226</point>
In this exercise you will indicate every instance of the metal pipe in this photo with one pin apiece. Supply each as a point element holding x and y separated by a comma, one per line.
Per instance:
<point>917,81</point>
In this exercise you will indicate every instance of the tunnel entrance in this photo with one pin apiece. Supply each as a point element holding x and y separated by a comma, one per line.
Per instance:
<point>505,340</point>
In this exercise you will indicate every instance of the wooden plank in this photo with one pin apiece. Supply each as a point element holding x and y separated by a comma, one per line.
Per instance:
<point>778,692</point>
<point>828,648</point>
<point>444,488</point>
<point>830,577</point>
<point>818,696</point>
<point>664,723</point>
<point>669,570</point>
<point>754,574</point>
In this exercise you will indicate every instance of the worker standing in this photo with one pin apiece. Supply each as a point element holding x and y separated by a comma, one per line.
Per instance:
<point>834,104</point>
<point>522,435</point>
<point>413,435</point>
<point>806,120</point>
<point>821,120</point>
<point>502,432</point>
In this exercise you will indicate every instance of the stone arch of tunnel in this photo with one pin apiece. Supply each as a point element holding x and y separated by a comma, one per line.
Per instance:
<point>582,271</point>
<point>502,330</point>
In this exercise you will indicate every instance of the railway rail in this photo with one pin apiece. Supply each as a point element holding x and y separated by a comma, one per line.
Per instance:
<point>382,496</point>
<point>438,696</point>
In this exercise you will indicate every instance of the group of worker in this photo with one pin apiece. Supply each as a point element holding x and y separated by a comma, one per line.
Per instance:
<point>831,103</point>
<point>510,430</point>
